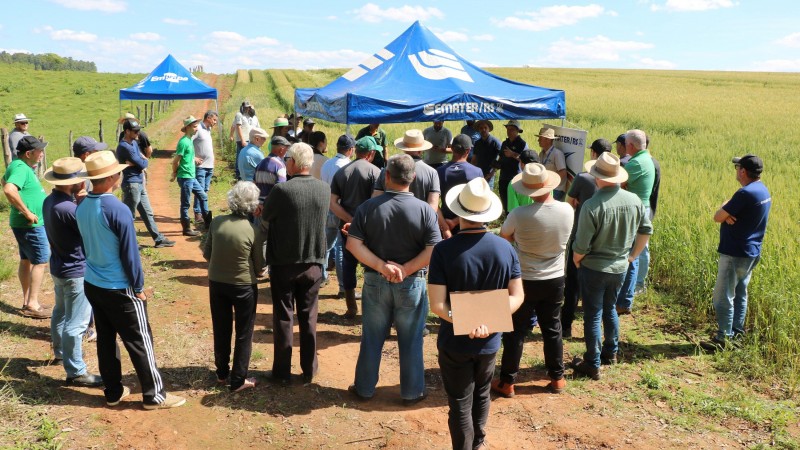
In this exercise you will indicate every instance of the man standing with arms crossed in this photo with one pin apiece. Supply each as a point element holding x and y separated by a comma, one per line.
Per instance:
<point>26,196</point>
<point>134,190</point>
<point>393,236</point>
<point>114,285</point>
<point>743,222</point>
<point>204,149</point>
<point>613,228</point>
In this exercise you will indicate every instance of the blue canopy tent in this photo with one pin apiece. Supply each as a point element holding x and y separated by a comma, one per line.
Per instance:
<point>169,81</point>
<point>418,78</point>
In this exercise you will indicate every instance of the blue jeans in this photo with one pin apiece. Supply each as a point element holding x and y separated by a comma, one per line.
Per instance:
<point>134,195</point>
<point>190,186</point>
<point>239,146</point>
<point>334,247</point>
<point>405,303</point>
<point>625,296</point>
<point>203,176</point>
<point>33,244</point>
<point>730,294</point>
<point>599,293</point>
<point>70,318</point>
<point>644,266</point>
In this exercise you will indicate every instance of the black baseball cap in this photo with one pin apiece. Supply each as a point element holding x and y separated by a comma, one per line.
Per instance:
<point>601,145</point>
<point>131,124</point>
<point>750,163</point>
<point>309,121</point>
<point>620,139</point>
<point>28,143</point>
<point>345,142</point>
<point>528,156</point>
<point>462,142</point>
<point>280,140</point>
<point>87,144</point>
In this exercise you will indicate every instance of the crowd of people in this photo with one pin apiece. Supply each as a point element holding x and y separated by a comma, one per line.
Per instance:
<point>418,223</point>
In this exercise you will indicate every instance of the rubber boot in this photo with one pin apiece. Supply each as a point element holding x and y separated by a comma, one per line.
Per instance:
<point>187,228</point>
<point>207,220</point>
<point>352,305</point>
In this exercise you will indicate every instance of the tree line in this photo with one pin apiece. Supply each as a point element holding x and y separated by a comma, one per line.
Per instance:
<point>47,61</point>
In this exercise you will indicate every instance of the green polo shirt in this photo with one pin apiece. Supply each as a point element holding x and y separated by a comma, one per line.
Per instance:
<point>185,150</point>
<point>607,227</point>
<point>641,175</point>
<point>30,190</point>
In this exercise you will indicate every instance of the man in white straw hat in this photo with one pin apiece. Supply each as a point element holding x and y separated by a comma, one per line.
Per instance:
<point>184,166</point>
<point>26,196</point>
<point>553,159</point>
<point>71,311</point>
<point>20,130</point>
<point>541,231</point>
<point>472,260</point>
<point>393,236</point>
<point>613,228</point>
<point>114,285</point>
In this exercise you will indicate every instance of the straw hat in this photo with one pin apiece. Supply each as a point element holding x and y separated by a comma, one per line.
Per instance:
<point>21,118</point>
<point>514,123</point>
<point>127,116</point>
<point>412,141</point>
<point>280,122</point>
<point>474,201</point>
<point>67,170</point>
<point>488,123</point>
<point>102,164</point>
<point>607,168</point>
<point>535,180</point>
<point>189,121</point>
<point>547,133</point>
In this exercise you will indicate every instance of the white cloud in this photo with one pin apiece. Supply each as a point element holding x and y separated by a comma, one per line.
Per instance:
<point>375,14</point>
<point>550,17</point>
<point>148,36</point>
<point>67,35</point>
<point>584,51</point>
<point>483,37</point>
<point>777,65</point>
<point>661,64</point>
<point>181,22</point>
<point>331,18</point>
<point>484,64</point>
<point>692,5</point>
<point>231,41</point>
<point>452,36</point>
<point>109,6</point>
<point>792,40</point>
<point>14,50</point>
<point>137,57</point>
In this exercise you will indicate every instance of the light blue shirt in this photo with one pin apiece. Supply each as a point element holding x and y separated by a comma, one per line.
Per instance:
<point>248,159</point>
<point>331,166</point>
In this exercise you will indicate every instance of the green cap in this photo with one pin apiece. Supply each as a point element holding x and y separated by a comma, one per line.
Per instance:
<point>368,143</point>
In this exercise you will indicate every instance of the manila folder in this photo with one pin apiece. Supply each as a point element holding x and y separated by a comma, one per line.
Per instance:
<point>474,308</point>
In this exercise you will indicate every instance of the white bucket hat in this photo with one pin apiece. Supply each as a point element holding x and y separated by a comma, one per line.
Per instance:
<point>607,168</point>
<point>535,180</point>
<point>474,201</point>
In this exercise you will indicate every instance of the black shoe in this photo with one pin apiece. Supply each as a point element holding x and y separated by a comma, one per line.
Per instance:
<point>414,401</point>
<point>566,332</point>
<point>87,379</point>
<point>605,360</point>
<point>714,345</point>
<point>308,378</point>
<point>582,368</point>
<point>164,243</point>
<point>282,381</point>
<point>621,311</point>
<point>352,389</point>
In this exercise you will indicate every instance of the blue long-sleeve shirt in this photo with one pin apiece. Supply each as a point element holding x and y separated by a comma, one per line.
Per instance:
<point>109,241</point>
<point>130,153</point>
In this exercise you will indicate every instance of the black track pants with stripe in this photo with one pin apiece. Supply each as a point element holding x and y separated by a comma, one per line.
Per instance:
<point>119,312</point>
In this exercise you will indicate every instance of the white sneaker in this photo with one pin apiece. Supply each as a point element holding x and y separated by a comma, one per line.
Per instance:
<point>172,401</point>
<point>126,391</point>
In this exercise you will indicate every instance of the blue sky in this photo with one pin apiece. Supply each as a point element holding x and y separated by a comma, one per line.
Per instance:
<point>225,35</point>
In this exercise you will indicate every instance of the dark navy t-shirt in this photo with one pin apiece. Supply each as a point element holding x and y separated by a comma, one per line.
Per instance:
<point>66,258</point>
<point>452,174</point>
<point>509,167</point>
<point>750,206</point>
<point>472,262</point>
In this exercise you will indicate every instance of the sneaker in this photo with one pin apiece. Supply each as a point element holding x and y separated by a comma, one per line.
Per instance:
<point>414,401</point>
<point>582,368</point>
<point>87,379</point>
<point>165,242</point>
<point>172,401</point>
<point>639,290</point>
<point>622,311</point>
<point>557,386</point>
<point>714,345</point>
<point>126,391</point>
<point>502,388</point>
<point>606,360</point>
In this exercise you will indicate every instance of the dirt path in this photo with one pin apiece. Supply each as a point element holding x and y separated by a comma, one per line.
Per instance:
<point>589,415</point>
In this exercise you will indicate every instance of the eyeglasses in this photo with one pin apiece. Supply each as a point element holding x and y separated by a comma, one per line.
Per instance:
<point>22,123</point>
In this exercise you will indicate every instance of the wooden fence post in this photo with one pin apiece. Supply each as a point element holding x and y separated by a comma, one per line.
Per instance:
<point>146,115</point>
<point>152,116</point>
<point>6,150</point>
<point>138,113</point>
<point>102,138</point>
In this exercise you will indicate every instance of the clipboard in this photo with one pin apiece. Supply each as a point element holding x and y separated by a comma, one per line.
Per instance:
<point>474,308</point>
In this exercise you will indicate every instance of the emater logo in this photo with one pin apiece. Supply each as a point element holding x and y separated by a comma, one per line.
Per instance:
<point>169,77</point>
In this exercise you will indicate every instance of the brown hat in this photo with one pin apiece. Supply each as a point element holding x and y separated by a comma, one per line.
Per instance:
<point>547,133</point>
<point>478,124</point>
<point>607,168</point>
<point>535,180</point>
<point>67,170</point>
<point>102,164</point>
